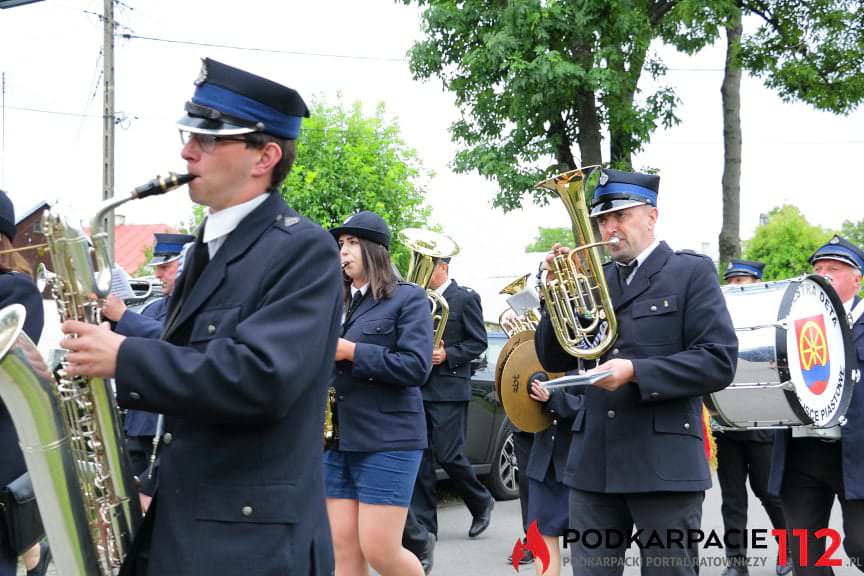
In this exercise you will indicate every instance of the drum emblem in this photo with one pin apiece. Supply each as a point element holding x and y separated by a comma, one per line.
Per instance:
<point>813,352</point>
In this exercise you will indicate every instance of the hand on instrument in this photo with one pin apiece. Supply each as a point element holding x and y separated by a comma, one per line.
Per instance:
<point>439,354</point>
<point>345,350</point>
<point>113,308</point>
<point>145,502</point>
<point>93,353</point>
<point>557,250</point>
<point>622,373</point>
<point>538,392</point>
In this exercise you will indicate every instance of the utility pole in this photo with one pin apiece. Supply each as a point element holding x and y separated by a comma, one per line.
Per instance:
<point>108,119</point>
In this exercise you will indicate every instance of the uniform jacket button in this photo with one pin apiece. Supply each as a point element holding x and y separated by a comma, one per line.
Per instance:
<point>610,414</point>
<point>686,425</point>
<point>653,308</point>
<point>339,372</point>
<point>211,328</point>
<point>655,394</point>
<point>246,511</point>
<point>134,395</point>
<point>341,397</point>
<point>553,437</point>
<point>167,438</point>
<point>554,421</point>
<point>615,351</point>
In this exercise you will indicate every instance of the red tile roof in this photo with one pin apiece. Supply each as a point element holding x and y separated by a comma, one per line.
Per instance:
<point>132,240</point>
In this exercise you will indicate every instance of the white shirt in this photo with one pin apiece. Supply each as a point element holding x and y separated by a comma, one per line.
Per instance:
<point>220,224</point>
<point>363,289</point>
<point>641,258</point>
<point>440,290</point>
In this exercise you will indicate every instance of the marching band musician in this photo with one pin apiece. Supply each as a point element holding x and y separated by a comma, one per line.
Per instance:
<point>240,373</point>
<point>808,470</point>
<point>17,287</point>
<point>445,400</point>
<point>140,426</point>
<point>742,454</point>
<point>637,453</point>
<point>382,359</point>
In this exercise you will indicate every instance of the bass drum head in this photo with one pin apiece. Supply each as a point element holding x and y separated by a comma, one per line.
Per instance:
<point>815,352</point>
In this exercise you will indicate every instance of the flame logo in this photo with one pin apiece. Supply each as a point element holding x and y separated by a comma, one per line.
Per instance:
<point>535,544</point>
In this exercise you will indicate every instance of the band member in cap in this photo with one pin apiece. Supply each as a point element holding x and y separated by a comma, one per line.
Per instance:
<point>637,453</point>
<point>382,359</point>
<point>17,287</point>
<point>445,399</point>
<point>241,370</point>
<point>810,468</point>
<point>140,426</point>
<point>742,454</point>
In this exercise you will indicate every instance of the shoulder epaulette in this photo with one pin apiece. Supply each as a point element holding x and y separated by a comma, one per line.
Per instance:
<point>688,252</point>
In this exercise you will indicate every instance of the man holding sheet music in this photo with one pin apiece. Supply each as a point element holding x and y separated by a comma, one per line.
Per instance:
<point>637,455</point>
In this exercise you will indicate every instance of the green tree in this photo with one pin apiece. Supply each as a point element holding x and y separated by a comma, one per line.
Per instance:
<point>785,242</point>
<point>546,237</point>
<point>853,231</point>
<point>535,80</point>
<point>347,162</point>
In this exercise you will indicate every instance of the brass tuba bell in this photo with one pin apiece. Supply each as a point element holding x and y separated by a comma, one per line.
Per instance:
<point>518,318</point>
<point>577,299</point>
<point>427,249</point>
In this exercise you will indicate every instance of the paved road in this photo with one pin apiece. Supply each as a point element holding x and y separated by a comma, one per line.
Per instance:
<point>457,555</point>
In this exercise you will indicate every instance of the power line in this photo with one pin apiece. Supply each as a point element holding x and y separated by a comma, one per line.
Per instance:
<point>129,36</point>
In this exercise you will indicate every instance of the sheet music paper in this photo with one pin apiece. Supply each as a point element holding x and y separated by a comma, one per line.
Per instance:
<point>577,380</point>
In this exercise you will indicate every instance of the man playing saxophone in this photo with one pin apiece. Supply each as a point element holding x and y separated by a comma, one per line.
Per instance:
<point>249,341</point>
<point>637,456</point>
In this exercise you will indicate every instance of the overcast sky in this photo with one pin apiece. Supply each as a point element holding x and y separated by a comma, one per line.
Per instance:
<point>50,54</point>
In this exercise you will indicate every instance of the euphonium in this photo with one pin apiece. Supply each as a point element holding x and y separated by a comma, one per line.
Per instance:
<point>71,435</point>
<point>427,249</point>
<point>577,299</point>
<point>515,322</point>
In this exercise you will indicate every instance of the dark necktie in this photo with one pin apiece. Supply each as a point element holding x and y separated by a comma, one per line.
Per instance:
<point>352,307</point>
<point>200,259</point>
<point>624,272</point>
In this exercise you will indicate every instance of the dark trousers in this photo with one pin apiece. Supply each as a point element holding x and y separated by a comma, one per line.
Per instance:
<point>446,423</point>
<point>414,535</point>
<point>740,457</point>
<point>522,442</point>
<point>607,521</point>
<point>812,479</point>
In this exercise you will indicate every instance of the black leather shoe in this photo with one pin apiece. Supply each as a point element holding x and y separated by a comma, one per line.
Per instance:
<point>44,559</point>
<point>481,521</point>
<point>527,558</point>
<point>735,571</point>
<point>427,556</point>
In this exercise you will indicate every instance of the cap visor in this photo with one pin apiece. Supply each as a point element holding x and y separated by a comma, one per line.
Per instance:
<point>207,126</point>
<point>607,206</point>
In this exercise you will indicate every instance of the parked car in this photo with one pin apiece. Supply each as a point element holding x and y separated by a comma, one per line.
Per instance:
<point>490,435</point>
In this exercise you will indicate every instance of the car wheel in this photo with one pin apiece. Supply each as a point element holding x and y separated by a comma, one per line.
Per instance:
<point>502,479</point>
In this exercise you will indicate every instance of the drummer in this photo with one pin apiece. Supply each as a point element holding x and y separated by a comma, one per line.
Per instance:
<point>743,454</point>
<point>807,471</point>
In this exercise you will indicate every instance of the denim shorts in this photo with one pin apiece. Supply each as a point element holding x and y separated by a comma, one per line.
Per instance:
<point>372,477</point>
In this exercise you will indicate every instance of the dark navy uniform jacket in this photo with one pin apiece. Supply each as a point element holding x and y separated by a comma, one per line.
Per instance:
<point>241,378</point>
<point>17,288</point>
<point>464,339</point>
<point>647,435</point>
<point>378,395</point>
<point>852,439</point>
<point>146,324</point>
<point>551,447</point>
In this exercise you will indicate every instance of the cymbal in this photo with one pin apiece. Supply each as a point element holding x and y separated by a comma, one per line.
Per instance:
<point>521,368</point>
<point>508,348</point>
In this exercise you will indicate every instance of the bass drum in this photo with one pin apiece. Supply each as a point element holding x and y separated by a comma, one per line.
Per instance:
<point>796,364</point>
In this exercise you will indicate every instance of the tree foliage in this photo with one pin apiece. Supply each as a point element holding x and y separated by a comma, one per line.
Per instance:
<point>535,79</point>
<point>546,237</point>
<point>808,50</point>
<point>785,242</point>
<point>348,162</point>
<point>853,231</point>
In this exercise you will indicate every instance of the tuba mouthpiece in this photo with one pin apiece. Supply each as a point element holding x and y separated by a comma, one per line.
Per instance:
<point>613,241</point>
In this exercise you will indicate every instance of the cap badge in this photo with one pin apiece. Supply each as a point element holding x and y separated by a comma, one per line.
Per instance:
<point>202,75</point>
<point>604,178</point>
<point>834,240</point>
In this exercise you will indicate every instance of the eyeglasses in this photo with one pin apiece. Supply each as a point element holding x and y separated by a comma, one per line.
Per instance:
<point>207,142</point>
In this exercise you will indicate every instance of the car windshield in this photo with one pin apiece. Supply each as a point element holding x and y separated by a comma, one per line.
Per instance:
<point>496,341</point>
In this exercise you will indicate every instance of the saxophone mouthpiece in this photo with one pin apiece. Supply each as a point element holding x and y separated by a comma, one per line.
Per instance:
<point>160,185</point>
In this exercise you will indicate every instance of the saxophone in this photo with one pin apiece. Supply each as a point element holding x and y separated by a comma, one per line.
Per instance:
<point>70,431</point>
